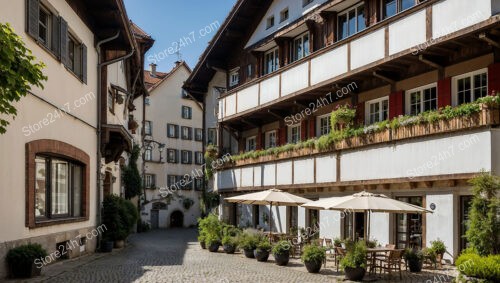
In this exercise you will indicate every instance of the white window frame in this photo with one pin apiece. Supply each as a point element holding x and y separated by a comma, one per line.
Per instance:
<point>276,62</point>
<point>268,139</point>
<point>251,143</point>
<point>303,53</point>
<point>291,135</point>
<point>148,154</point>
<point>198,157</point>
<point>454,86</point>
<point>380,102</point>
<point>319,129</point>
<point>346,13</point>
<point>149,180</point>
<point>421,90</point>
<point>234,77</point>
<point>148,130</point>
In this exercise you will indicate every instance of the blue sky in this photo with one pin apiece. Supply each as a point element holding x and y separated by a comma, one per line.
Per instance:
<point>178,25</point>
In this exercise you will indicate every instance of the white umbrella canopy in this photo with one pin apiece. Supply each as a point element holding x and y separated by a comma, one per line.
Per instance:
<point>270,197</point>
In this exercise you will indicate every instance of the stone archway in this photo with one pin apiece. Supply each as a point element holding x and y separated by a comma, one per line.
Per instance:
<point>177,219</point>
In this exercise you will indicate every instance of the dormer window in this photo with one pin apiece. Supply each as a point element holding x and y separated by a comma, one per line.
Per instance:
<point>270,22</point>
<point>284,15</point>
<point>234,77</point>
<point>272,61</point>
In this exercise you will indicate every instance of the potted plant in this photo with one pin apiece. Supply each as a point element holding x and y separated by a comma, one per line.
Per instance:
<point>313,257</point>
<point>281,253</point>
<point>212,242</point>
<point>414,259</point>
<point>201,239</point>
<point>337,242</point>
<point>22,260</point>
<point>262,250</point>
<point>106,244</point>
<point>439,249</point>
<point>229,244</point>
<point>354,262</point>
<point>343,116</point>
<point>248,244</point>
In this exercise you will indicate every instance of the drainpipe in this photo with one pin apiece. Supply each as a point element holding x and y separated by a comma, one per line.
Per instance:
<point>99,126</point>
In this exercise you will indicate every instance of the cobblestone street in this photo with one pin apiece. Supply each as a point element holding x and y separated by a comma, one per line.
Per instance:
<point>175,256</point>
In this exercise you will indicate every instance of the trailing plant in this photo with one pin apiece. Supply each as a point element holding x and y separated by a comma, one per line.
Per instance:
<point>343,114</point>
<point>355,256</point>
<point>18,73</point>
<point>438,246</point>
<point>211,154</point>
<point>282,247</point>
<point>131,177</point>
<point>313,253</point>
<point>208,201</point>
<point>484,220</point>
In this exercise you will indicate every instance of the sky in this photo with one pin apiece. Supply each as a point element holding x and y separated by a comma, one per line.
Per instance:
<point>178,26</point>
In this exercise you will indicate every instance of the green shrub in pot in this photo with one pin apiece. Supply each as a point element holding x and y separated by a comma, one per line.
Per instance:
<point>354,262</point>
<point>262,250</point>
<point>23,261</point>
<point>229,244</point>
<point>414,259</point>
<point>281,252</point>
<point>313,257</point>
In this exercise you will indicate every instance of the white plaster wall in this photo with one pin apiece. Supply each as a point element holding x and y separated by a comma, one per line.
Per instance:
<point>248,98</point>
<point>407,32</point>
<point>269,89</point>
<point>247,177</point>
<point>269,174</point>
<point>440,223</point>
<point>284,173</point>
<point>326,169</point>
<point>453,15</point>
<point>330,223</point>
<point>303,171</point>
<point>301,217</point>
<point>226,179</point>
<point>212,101</point>
<point>379,227</point>
<point>295,79</point>
<point>230,102</point>
<point>278,218</point>
<point>368,49</point>
<point>420,158</point>
<point>329,65</point>
<point>257,176</point>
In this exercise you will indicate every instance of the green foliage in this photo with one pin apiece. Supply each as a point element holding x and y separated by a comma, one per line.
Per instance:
<point>210,226</point>
<point>208,201</point>
<point>142,226</point>
<point>372,243</point>
<point>211,154</point>
<point>212,239</point>
<point>230,241</point>
<point>337,242</point>
<point>313,253</point>
<point>119,216</point>
<point>484,220</point>
<point>413,254</point>
<point>264,245</point>
<point>282,247</point>
<point>342,115</point>
<point>18,72</point>
<point>430,254</point>
<point>131,177</point>
<point>438,246</point>
<point>249,239</point>
<point>25,255</point>
<point>355,256</point>
<point>482,267</point>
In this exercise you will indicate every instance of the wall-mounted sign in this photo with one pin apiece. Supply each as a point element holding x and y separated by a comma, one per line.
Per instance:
<point>433,206</point>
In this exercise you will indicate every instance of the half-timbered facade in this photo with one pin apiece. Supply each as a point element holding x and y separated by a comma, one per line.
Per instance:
<point>276,69</point>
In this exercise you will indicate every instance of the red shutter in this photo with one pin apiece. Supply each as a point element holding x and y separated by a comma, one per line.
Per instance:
<point>282,136</point>
<point>303,130</point>
<point>242,145</point>
<point>444,92</point>
<point>312,127</point>
<point>395,104</point>
<point>494,79</point>
<point>258,140</point>
<point>360,113</point>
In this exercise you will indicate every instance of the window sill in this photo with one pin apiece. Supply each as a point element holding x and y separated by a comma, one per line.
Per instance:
<point>52,222</point>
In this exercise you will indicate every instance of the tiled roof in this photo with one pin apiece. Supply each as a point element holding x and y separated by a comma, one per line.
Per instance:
<point>137,31</point>
<point>152,81</point>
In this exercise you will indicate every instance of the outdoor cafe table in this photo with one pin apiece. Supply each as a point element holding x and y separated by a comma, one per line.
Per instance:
<point>374,252</point>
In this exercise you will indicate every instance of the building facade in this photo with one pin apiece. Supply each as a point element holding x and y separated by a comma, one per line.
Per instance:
<point>173,152</point>
<point>273,74</point>
<point>51,185</point>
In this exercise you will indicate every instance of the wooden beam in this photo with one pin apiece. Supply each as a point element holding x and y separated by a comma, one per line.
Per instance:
<point>429,62</point>
<point>300,104</point>
<point>384,78</point>
<point>274,114</point>
<point>249,123</point>
<point>489,40</point>
<point>428,184</point>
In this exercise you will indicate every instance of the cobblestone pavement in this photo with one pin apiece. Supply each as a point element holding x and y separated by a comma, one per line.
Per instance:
<point>175,256</point>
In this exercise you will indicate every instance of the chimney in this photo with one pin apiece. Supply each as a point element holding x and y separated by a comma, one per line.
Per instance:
<point>152,69</point>
<point>177,63</point>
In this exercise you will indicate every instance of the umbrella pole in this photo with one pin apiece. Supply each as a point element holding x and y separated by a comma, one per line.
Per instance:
<point>368,227</point>
<point>270,221</point>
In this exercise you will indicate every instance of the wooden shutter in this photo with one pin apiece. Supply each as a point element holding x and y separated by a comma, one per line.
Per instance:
<point>494,79</point>
<point>83,48</point>
<point>190,133</point>
<point>395,104</point>
<point>176,156</point>
<point>312,127</point>
<point>360,113</point>
<point>282,135</point>
<point>303,130</point>
<point>190,157</point>
<point>444,92</point>
<point>176,134</point>
<point>56,36</point>
<point>32,17</point>
<point>64,41</point>
<point>259,140</point>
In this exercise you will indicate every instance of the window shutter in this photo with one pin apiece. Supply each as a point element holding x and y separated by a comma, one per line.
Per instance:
<point>282,135</point>
<point>176,131</point>
<point>84,65</point>
<point>395,104</point>
<point>312,127</point>
<point>258,140</point>
<point>303,130</point>
<point>360,113</point>
<point>190,157</point>
<point>56,37</point>
<point>32,13</point>
<point>190,113</point>
<point>64,41</point>
<point>444,92</point>
<point>494,79</point>
<point>176,156</point>
<point>190,133</point>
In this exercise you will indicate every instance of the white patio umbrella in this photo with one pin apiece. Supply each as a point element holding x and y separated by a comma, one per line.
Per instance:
<point>365,202</point>
<point>270,197</point>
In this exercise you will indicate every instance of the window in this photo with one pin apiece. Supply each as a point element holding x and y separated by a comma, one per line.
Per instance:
<point>392,7</point>
<point>148,154</point>
<point>234,77</point>
<point>284,15</point>
<point>300,46</point>
<point>249,70</point>
<point>306,2</point>
<point>469,87</point>
<point>270,22</point>
<point>294,133</point>
<point>409,226</point>
<point>251,143</point>
<point>421,99</point>
<point>270,139</point>
<point>150,180</point>
<point>376,110</point>
<point>212,136</point>
<point>198,184</point>
<point>185,182</point>
<point>198,158</point>
<point>111,101</point>
<point>324,125</point>
<point>172,156</point>
<point>147,128</point>
<point>351,21</point>
<point>44,26</point>
<point>147,101</point>
<point>184,94</point>
<point>186,112</point>
<point>187,157</point>
<point>272,61</point>
<point>171,181</point>
<point>172,131</point>
<point>58,188</point>
<point>198,134</point>
<point>186,133</point>
<point>74,56</point>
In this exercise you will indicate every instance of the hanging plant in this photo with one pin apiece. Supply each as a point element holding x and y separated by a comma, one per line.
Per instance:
<point>343,116</point>
<point>131,177</point>
<point>187,203</point>
<point>211,154</point>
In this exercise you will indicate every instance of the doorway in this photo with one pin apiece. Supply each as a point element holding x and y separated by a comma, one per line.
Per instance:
<point>177,219</point>
<point>155,218</point>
